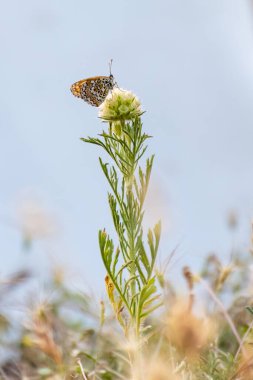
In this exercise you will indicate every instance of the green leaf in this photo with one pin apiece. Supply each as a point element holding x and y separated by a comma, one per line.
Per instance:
<point>250,309</point>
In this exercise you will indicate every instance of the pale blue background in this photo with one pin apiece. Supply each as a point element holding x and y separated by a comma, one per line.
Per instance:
<point>191,64</point>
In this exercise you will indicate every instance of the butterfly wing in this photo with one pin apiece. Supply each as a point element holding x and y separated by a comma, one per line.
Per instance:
<point>93,90</point>
<point>76,88</point>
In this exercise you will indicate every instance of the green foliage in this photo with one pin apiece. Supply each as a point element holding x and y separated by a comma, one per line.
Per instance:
<point>69,323</point>
<point>130,265</point>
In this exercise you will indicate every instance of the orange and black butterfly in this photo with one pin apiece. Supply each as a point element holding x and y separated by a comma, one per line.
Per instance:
<point>93,90</point>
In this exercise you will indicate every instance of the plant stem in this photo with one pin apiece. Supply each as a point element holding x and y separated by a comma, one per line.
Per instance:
<point>224,312</point>
<point>81,369</point>
<point>129,265</point>
<point>243,340</point>
<point>132,223</point>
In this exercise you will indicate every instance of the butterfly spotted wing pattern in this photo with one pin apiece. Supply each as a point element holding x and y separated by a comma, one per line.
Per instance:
<point>93,90</point>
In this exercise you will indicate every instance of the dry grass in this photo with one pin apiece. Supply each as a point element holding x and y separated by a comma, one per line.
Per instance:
<point>69,337</point>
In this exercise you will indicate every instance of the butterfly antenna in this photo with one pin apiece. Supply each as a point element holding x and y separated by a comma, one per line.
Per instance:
<point>110,66</point>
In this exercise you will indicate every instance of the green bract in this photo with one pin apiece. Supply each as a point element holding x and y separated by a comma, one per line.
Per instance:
<point>120,105</point>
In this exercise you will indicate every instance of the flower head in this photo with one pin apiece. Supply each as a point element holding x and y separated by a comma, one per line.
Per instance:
<point>120,105</point>
<point>41,333</point>
<point>154,368</point>
<point>186,331</point>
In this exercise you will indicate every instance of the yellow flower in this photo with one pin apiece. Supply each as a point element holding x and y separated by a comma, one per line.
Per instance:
<point>120,105</point>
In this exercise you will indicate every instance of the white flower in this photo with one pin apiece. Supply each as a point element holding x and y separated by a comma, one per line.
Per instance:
<point>120,105</point>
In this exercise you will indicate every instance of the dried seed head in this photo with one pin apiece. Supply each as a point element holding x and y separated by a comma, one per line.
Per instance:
<point>41,334</point>
<point>224,273</point>
<point>187,332</point>
<point>154,369</point>
<point>189,277</point>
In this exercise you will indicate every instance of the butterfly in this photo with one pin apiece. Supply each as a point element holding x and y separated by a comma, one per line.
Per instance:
<point>94,90</point>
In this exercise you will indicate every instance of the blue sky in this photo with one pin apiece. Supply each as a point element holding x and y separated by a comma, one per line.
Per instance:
<point>190,63</point>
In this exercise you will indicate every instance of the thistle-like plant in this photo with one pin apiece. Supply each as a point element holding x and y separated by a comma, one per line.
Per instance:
<point>130,279</point>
